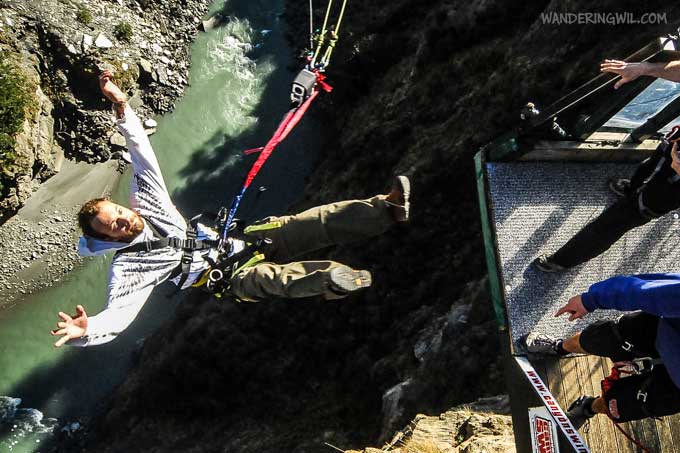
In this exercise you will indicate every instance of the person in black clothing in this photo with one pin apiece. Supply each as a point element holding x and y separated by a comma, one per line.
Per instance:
<point>653,191</point>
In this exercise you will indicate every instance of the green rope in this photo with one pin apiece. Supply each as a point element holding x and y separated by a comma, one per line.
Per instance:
<point>325,59</point>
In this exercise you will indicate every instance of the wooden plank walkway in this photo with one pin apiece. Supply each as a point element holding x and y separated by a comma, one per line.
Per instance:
<point>568,378</point>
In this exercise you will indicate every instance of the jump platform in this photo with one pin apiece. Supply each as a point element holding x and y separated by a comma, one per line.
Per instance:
<point>535,208</point>
<point>537,188</point>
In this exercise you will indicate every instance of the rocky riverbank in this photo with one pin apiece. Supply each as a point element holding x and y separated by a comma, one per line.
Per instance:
<point>38,246</point>
<point>35,255</point>
<point>61,45</point>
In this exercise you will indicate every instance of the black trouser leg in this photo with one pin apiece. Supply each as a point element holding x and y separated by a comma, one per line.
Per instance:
<point>601,233</point>
<point>651,394</point>
<point>644,170</point>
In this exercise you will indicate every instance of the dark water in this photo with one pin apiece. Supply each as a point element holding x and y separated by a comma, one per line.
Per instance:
<point>238,92</point>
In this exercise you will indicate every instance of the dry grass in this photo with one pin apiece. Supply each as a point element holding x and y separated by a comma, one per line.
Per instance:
<point>420,446</point>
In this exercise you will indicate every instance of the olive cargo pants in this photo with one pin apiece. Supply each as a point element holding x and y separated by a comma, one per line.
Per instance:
<point>295,235</point>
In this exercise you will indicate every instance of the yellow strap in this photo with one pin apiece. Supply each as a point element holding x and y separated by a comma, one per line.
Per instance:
<point>263,227</point>
<point>256,258</point>
<point>203,280</point>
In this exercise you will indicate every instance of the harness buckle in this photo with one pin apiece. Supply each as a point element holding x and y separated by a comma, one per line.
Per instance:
<point>642,394</point>
<point>644,364</point>
<point>627,346</point>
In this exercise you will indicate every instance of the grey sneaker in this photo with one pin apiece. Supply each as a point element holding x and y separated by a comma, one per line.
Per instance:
<point>620,186</point>
<point>540,343</point>
<point>344,280</point>
<point>545,264</point>
<point>581,411</point>
<point>399,198</point>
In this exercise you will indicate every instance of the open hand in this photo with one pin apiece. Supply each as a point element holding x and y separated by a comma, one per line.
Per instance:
<point>574,307</point>
<point>71,327</point>
<point>627,71</point>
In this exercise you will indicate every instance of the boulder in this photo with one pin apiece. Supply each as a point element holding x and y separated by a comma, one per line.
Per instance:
<point>117,139</point>
<point>103,42</point>
<point>146,71</point>
<point>149,123</point>
<point>87,42</point>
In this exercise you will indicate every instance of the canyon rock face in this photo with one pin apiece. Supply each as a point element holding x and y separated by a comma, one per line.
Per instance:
<point>60,46</point>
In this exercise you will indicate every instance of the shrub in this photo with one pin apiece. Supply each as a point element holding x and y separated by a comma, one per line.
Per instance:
<point>84,15</point>
<point>123,31</point>
<point>17,102</point>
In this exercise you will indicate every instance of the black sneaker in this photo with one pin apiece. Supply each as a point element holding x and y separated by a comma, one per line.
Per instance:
<point>344,280</point>
<point>581,411</point>
<point>540,343</point>
<point>399,198</point>
<point>620,186</point>
<point>545,264</point>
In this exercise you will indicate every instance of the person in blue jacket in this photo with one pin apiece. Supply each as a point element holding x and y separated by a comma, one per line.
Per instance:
<point>648,338</point>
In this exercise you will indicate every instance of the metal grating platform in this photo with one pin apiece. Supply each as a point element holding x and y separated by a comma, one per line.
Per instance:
<point>536,207</point>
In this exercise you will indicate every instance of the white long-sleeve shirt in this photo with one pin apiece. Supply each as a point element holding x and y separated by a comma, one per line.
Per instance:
<point>133,276</point>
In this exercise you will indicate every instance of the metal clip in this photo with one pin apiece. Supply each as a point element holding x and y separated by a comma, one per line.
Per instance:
<point>627,346</point>
<point>643,394</point>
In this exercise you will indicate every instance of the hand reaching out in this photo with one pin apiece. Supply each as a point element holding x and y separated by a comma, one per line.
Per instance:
<point>627,71</point>
<point>111,91</point>
<point>574,307</point>
<point>71,327</point>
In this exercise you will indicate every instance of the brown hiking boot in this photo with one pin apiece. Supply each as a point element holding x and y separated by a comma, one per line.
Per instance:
<point>398,198</point>
<point>344,280</point>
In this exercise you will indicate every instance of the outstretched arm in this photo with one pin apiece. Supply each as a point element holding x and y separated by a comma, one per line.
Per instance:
<point>656,294</point>
<point>631,71</point>
<point>144,161</point>
<point>130,285</point>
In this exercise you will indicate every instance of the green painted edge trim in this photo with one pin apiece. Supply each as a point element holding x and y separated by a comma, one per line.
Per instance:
<point>489,243</point>
<point>506,148</point>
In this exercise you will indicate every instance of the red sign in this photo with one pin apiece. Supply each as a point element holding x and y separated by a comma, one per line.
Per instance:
<point>544,436</point>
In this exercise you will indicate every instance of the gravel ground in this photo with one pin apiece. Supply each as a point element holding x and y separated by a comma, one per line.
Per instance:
<point>34,255</point>
<point>38,246</point>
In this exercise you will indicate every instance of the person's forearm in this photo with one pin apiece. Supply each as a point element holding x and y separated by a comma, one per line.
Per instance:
<point>652,293</point>
<point>669,71</point>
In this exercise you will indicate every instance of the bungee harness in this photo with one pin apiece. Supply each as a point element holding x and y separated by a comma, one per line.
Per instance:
<point>622,369</point>
<point>619,371</point>
<point>216,278</point>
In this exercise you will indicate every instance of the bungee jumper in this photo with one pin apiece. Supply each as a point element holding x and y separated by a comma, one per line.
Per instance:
<point>153,243</point>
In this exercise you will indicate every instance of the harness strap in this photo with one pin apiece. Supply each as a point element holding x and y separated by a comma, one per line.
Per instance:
<point>176,243</point>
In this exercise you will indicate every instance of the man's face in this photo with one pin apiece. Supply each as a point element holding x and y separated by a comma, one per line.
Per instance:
<point>117,222</point>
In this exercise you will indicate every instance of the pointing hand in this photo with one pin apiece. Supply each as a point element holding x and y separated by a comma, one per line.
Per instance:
<point>574,307</point>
